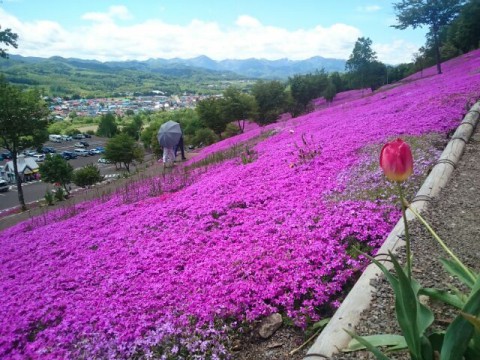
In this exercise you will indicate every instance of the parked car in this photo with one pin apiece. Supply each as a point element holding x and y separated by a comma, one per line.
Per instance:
<point>66,138</point>
<point>39,157</point>
<point>47,150</point>
<point>7,155</point>
<point>81,144</point>
<point>4,186</point>
<point>104,161</point>
<point>87,136</point>
<point>100,149</point>
<point>55,138</point>
<point>29,152</point>
<point>93,152</point>
<point>67,155</point>
<point>81,152</point>
<point>78,136</point>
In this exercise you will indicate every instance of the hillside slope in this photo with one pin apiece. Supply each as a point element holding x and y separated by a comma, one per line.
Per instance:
<point>154,271</point>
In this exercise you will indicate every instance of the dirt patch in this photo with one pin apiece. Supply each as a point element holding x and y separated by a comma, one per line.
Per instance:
<point>88,128</point>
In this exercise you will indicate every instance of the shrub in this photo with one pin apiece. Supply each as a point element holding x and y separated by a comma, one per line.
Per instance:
<point>87,176</point>
<point>231,130</point>
<point>204,137</point>
<point>60,194</point>
<point>49,198</point>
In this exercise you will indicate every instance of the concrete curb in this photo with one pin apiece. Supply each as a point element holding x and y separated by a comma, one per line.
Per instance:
<point>333,338</point>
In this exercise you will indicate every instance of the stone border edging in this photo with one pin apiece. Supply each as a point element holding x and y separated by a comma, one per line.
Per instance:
<point>333,338</point>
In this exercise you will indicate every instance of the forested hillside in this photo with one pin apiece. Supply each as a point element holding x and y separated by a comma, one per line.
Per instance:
<point>57,76</point>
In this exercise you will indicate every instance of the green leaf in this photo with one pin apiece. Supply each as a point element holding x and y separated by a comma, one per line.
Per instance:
<point>460,331</point>
<point>407,308</point>
<point>425,315</point>
<point>475,321</point>
<point>378,354</point>
<point>455,270</point>
<point>320,324</point>
<point>393,342</point>
<point>436,339</point>
<point>443,296</point>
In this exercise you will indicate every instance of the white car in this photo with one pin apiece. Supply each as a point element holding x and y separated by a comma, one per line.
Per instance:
<point>30,152</point>
<point>104,161</point>
<point>81,152</point>
<point>39,157</point>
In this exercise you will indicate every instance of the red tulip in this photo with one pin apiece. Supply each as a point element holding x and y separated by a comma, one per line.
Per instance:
<point>396,160</point>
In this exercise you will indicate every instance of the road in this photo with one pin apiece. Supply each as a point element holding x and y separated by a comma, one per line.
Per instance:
<point>35,190</point>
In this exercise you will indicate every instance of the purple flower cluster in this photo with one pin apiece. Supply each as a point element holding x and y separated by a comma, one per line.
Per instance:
<point>167,275</point>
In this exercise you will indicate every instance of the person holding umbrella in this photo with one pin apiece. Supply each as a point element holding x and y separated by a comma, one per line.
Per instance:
<point>168,137</point>
<point>182,148</point>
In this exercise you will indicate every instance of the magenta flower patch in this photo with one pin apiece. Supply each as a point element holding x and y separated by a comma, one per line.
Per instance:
<point>164,275</point>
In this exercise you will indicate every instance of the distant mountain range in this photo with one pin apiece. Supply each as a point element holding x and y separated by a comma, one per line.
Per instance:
<point>258,68</point>
<point>58,76</point>
<point>248,68</point>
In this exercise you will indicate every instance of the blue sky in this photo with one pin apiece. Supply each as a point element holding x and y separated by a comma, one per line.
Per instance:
<point>221,29</point>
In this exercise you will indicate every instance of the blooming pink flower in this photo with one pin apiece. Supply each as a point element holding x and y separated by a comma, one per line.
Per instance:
<point>396,160</point>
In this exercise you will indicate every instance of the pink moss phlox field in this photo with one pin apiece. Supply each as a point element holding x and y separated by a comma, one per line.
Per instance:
<point>154,276</point>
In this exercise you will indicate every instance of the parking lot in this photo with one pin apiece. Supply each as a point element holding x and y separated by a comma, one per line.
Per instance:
<point>35,190</point>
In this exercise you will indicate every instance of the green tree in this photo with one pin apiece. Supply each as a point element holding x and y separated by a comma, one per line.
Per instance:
<point>122,149</point>
<point>432,13</point>
<point>55,169</point>
<point>464,31</point>
<point>237,106</point>
<point>305,88</point>
<point>134,128</point>
<point>87,176</point>
<point>23,124</point>
<point>375,74</point>
<point>107,126</point>
<point>210,113</point>
<point>361,55</point>
<point>271,100</point>
<point>8,38</point>
<point>330,92</point>
<point>337,80</point>
<point>363,66</point>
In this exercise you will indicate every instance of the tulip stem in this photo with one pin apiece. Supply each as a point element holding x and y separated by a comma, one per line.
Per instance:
<point>407,235</point>
<point>442,244</point>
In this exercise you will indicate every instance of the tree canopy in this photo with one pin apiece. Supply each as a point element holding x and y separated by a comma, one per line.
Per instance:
<point>107,126</point>
<point>363,67</point>
<point>23,123</point>
<point>362,54</point>
<point>8,38</point>
<point>305,88</point>
<point>464,31</point>
<point>210,114</point>
<point>271,101</point>
<point>237,106</point>
<point>87,176</point>
<point>55,169</point>
<point>432,13</point>
<point>122,149</point>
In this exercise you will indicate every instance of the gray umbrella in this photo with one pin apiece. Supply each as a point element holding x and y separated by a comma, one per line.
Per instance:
<point>169,134</point>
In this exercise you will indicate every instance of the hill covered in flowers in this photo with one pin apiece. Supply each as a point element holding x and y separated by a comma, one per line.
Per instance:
<point>171,265</point>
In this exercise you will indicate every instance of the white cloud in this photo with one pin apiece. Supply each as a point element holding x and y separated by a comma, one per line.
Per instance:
<point>103,38</point>
<point>114,12</point>
<point>397,52</point>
